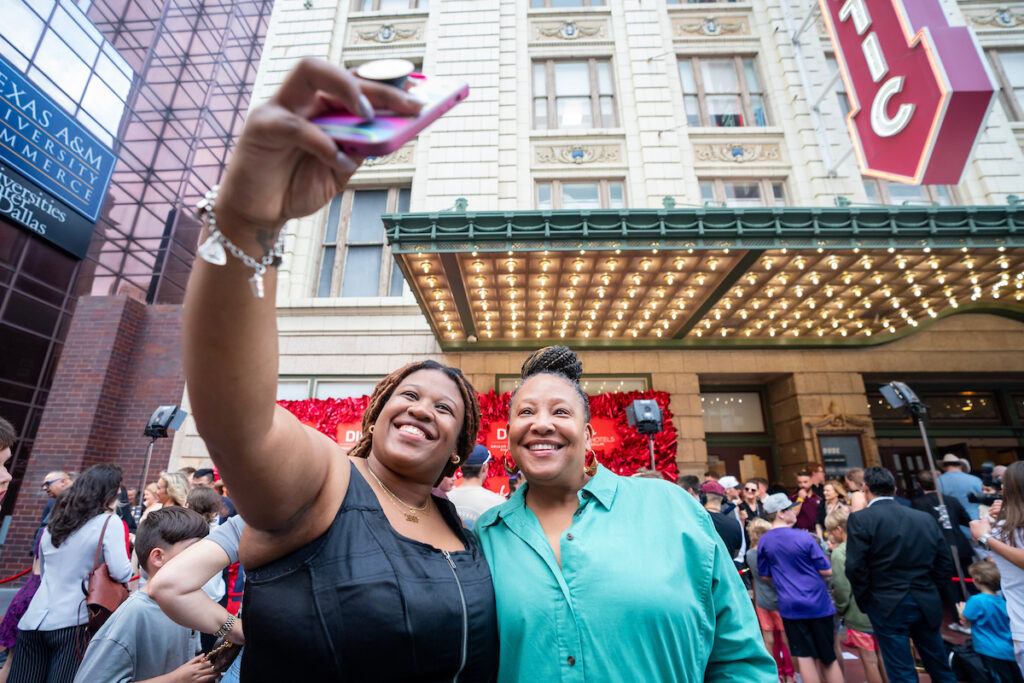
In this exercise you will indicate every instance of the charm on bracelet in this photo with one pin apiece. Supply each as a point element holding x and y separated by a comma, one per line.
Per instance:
<point>215,249</point>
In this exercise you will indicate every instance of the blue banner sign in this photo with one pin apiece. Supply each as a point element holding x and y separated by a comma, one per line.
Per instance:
<point>23,202</point>
<point>41,142</point>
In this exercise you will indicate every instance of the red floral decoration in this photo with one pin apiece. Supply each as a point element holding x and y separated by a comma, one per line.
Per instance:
<point>325,414</point>
<point>628,450</point>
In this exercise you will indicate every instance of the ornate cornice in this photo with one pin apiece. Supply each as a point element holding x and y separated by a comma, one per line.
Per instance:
<point>578,154</point>
<point>711,26</point>
<point>570,30</point>
<point>398,157</point>
<point>736,153</point>
<point>386,34</point>
<point>998,18</point>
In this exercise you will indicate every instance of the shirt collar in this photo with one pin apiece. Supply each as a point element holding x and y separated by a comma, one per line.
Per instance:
<point>875,500</point>
<point>602,486</point>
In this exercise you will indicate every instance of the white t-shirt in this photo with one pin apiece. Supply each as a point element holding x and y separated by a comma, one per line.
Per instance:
<point>471,501</point>
<point>1011,578</point>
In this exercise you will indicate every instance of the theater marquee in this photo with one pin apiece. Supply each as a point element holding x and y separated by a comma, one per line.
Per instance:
<point>919,88</point>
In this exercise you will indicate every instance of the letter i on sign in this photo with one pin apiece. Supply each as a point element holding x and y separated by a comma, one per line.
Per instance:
<point>919,88</point>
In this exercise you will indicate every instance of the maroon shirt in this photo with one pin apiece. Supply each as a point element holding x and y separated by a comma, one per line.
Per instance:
<point>808,515</point>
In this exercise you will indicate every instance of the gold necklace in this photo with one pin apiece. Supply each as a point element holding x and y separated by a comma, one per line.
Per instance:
<point>408,510</point>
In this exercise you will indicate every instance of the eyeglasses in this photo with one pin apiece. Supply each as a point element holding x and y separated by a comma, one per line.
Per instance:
<point>51,482</point>
<point>751,490</point>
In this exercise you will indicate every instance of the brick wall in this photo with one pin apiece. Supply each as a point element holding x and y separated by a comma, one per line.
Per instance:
<point>121,360</point>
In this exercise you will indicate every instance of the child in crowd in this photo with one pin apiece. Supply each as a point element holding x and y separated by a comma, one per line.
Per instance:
<point>766,604</point>
<point>986,614</point>
<point>859,634</point>
<point>139,642</point>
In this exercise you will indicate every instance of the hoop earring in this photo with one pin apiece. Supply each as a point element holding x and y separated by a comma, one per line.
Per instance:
<point>456,459</point>
<point>591,469</point>
<point>511,468</point>
<point>370,430</point>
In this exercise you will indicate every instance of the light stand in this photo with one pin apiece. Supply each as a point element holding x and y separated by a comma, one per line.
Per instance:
<point>162,419</point>
<point>899,395</point>
<point>644,415</point>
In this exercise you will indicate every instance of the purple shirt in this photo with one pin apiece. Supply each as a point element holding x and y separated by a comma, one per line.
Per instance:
<point>792,558</point>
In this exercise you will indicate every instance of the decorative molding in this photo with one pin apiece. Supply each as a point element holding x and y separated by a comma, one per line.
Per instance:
<point>835,421</point>
<point>386,34</point>
<point>1001,17</point>
<point>737,153</point>
<point>570,30</point>
<point>578,154</point>
<point>710,26</point>
<point>400,156</point>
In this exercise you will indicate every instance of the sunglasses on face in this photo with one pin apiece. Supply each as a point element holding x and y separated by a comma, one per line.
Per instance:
<point>749,490</point>
<point>48,484</point>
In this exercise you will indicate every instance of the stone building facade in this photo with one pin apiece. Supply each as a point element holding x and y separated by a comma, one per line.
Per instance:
<point>725,103</point>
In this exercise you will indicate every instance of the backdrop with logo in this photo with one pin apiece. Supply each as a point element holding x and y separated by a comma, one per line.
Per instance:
<point>618,446</point>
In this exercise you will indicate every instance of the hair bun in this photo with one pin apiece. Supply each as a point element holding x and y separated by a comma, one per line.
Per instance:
<point>555,360</point>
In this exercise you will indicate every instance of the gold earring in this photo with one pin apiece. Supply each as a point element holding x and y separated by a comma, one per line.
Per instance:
<point>591,469</point>
<point>370,430</point>
<point>456,459</point>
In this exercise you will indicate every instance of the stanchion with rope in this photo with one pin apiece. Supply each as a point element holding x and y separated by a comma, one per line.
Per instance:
<point>15,577</point>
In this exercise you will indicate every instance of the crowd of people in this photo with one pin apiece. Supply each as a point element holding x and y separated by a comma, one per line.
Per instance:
<point>387,564</point>
<point>852,563</point>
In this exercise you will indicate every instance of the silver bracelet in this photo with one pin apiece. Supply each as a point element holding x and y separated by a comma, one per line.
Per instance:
<point>226,628</point>
<point>213,249</point>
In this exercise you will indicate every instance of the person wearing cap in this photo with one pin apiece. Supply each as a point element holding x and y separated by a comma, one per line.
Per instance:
<point>470,497</point>
<point>731,507</point>
<point>727,525</point>
<point>955,482</point>
<point>797,566</point>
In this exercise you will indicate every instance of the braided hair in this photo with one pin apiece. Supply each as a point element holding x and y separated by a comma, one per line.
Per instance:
<point>386,387</point>
<point>560,361</point>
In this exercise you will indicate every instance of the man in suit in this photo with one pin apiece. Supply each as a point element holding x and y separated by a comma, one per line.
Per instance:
<point>896,561</point>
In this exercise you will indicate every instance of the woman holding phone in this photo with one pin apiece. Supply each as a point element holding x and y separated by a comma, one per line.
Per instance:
<point>606,578</point>
<point>355,572</point>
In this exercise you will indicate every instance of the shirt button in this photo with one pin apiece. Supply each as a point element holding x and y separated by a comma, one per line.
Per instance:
<point>571,660</point>
<point>569,537</point>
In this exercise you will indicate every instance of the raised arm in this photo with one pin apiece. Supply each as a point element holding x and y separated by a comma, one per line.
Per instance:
<point>178,589</point>
<point>280,472</point>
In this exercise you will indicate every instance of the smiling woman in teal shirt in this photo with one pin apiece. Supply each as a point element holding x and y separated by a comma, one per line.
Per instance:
<point>604,578</point>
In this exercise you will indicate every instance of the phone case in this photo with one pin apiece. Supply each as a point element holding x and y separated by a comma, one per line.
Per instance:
<point>387,132</point>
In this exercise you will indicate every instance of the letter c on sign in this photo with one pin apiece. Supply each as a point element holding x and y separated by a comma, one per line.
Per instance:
<point>884,125</point>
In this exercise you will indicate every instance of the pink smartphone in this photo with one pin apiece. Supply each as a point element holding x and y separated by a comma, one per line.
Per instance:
<point>387,132</point>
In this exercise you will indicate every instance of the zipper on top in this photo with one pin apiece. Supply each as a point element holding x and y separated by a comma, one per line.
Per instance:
<point>465,616</point>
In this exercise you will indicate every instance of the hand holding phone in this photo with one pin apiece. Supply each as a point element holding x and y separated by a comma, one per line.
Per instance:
<point>387,131</point>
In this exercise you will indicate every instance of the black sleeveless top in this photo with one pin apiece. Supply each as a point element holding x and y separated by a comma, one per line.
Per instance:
<point>363,603</point>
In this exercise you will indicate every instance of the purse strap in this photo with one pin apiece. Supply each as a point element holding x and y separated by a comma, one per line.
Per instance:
<point>99,546</point>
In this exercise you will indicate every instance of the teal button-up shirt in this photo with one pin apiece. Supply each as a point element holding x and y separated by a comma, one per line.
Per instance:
<point>646,591</point>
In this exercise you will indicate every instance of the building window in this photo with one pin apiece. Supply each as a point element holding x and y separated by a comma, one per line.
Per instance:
<point>64,55</point>
<point>949,408</point>
<point>1008,66</point>
<point>732,412</point>
<point>723,92</point>
<point>566,3</point>
<point>388,5</point>
<point>573,94</point>
<point>740,193</point>
<point>583,194</point>
<point>301,388</point>
<point>592,384</point>
<point>695,2</point>
<point>354,258</point>
<point>888,192</point>
<point>839,87</point>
